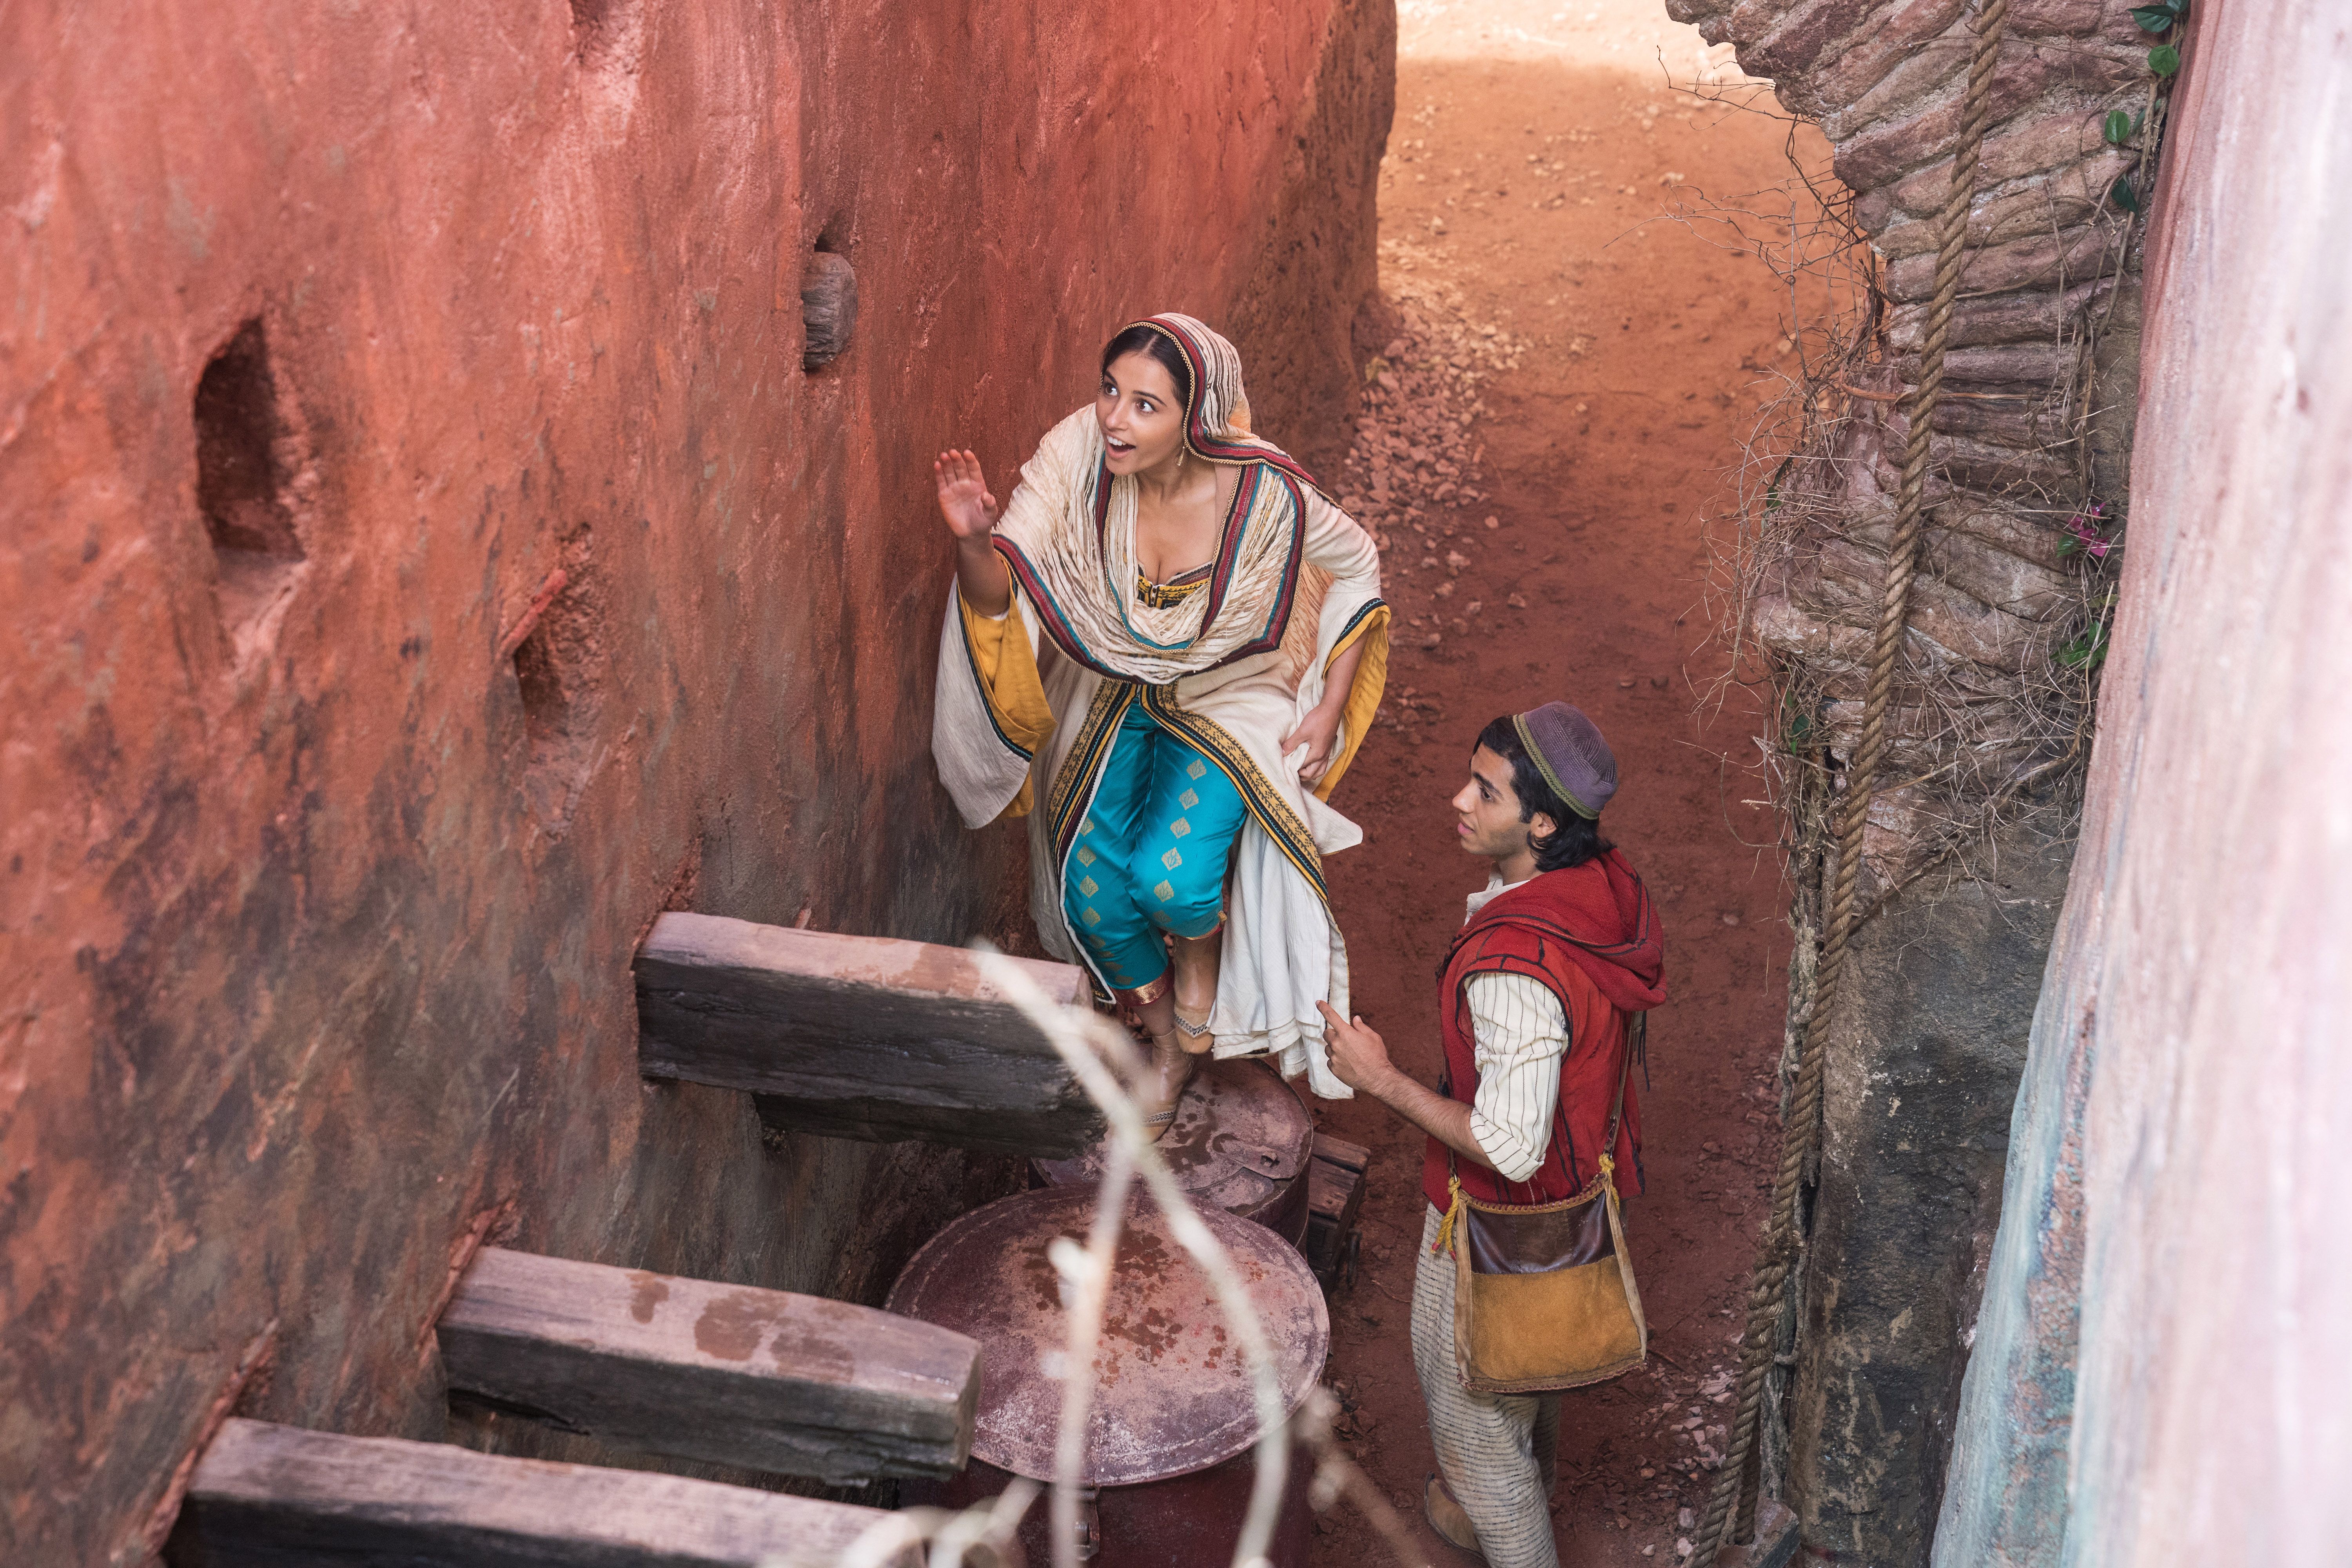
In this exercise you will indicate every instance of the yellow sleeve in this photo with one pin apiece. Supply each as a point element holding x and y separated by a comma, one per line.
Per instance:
<point>1007,671</point>
<point>1371,629</point>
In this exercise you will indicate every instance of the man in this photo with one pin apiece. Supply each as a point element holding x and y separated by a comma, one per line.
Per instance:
<point>1561,947</point>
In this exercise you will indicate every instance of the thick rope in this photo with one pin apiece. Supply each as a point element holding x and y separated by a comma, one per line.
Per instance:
<point>1776,1255</point>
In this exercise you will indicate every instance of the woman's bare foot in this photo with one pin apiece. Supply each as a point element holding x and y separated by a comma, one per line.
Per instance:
<point>1196,961</point>
<point>1164,1086</point>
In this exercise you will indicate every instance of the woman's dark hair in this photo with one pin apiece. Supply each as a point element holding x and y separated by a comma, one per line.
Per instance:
<point>1575,839</point>
<point>1140,339</point>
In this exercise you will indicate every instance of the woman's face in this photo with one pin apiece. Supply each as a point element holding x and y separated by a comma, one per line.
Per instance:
<point>1141,418</point>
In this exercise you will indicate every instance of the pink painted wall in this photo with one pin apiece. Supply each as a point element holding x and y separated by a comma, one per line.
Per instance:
<point>314,933</point>
<point>2164,1364</point>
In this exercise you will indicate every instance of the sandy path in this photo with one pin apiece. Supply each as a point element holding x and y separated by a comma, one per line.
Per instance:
<point>1626,361</point>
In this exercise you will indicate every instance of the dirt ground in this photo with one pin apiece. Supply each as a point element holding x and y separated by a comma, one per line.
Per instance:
<point>1628,356</point>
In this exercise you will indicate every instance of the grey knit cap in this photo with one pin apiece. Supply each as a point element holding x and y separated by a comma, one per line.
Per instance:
<point>1567,749</point>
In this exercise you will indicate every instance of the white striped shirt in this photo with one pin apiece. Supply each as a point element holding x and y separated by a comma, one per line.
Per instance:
<point>1518,1035</point>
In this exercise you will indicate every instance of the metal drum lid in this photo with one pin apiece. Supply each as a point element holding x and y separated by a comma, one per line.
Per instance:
<point>1172,1393</point>
<point>1240,1132</point>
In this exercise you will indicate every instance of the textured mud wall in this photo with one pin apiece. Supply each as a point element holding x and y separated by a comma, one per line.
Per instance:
<point>1966,850</point>
<point>2160,1375</point>
<point>329,338</point>
<point>1915,1124</point>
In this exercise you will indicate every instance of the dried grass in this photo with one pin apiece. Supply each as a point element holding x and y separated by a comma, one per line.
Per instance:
<point>1988,720</point>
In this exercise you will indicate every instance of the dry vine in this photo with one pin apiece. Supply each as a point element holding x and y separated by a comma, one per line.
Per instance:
<point>1968,747</point>
<point>1967,741</point>
<point>983,1535</point>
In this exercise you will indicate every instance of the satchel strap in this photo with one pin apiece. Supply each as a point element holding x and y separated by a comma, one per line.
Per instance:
<point>1637,1034</point>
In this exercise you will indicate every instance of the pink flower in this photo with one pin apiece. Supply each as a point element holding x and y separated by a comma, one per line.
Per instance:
<point>2084,526</point>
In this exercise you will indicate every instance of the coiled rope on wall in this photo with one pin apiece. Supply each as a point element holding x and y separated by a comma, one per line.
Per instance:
<point>1776,1255</point>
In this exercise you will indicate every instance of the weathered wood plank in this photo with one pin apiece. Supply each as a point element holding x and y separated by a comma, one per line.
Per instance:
<point>1334,1202</point>
<point>280,1497</point>
<point>1340,1152</point>
<point>764,1379</point>
<point>856,1036</point>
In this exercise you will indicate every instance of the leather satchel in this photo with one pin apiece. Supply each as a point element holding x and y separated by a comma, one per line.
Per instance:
<point>1544,1296</point>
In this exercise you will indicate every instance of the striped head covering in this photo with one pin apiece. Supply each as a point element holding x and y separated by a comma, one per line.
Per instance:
<point>1068,536</point>
<point>1217,414</point>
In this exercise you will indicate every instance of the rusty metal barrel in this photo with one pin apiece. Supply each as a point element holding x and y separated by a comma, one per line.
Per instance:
<point>1169,1461</point>
<point>1241,1142</point>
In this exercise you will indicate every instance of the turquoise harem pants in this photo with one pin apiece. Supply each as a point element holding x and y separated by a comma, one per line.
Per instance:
<point>1151,854</point>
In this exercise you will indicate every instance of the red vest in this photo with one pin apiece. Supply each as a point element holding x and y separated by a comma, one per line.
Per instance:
<point>1590,935</point>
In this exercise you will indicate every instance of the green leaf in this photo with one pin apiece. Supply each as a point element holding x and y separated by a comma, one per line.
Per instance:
<point>2087,651</point>
<point>2178,8</point>
<point>2119,128</point>
<point>2153,18</point>
<point>2164,60</point>
<point>2122,195</point>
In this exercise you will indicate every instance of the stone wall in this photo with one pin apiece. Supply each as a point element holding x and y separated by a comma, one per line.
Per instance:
<point>1916,1114</point>
<point>2160,1375</point>
<point>1969,842</point>
<point>333,332</point>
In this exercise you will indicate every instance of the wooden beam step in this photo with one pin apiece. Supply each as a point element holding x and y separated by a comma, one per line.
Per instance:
<point>764,1379</point>
<point>280,1497</point>
<point>1340,1152</point>
<point>859,1036</point>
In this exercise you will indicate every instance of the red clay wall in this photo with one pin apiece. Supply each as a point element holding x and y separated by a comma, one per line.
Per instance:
<point>318,914</point>
<point>2160,1375</point>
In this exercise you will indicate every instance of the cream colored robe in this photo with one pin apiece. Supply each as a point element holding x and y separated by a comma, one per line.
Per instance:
<point>1020,718</point>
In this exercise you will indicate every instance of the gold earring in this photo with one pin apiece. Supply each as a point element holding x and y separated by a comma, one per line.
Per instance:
<point>1180,459</point>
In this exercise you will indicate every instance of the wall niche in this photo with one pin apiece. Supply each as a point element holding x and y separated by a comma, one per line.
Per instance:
<point>828,307</point>
<point>557,653</point>
<point>609,34</point>
<point>245,486</point>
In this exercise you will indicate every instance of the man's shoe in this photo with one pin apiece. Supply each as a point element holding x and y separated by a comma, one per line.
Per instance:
<point>1446,1518</point>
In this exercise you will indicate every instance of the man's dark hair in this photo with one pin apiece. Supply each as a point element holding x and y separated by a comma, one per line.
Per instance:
<point>1574,838</point>
<point>1140,339</point>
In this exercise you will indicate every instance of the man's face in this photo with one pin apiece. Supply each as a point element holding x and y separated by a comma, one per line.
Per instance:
<point>1487,810</point>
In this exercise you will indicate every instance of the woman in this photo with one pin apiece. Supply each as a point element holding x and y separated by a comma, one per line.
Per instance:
<point>1172,641</point>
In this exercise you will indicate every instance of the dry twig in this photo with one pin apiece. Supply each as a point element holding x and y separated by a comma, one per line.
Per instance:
<point>1091,1047</point>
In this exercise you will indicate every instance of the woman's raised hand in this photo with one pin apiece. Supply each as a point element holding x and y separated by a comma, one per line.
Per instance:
<point>965,499</point>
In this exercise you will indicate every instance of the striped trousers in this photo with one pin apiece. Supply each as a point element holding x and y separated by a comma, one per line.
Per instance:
<point>1498,1451</point>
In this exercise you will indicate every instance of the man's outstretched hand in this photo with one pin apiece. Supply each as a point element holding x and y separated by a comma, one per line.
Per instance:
<point>1359,1057</point>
